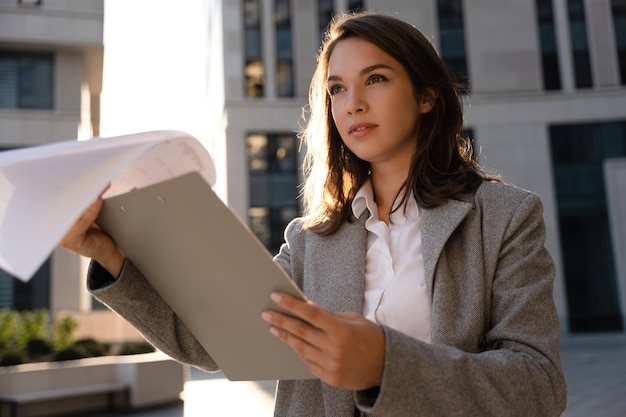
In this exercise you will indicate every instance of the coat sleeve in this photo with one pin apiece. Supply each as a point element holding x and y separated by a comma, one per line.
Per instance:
<point>517,374</point>
<point>132,297</point>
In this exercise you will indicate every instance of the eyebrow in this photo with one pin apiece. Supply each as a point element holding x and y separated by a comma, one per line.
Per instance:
<point>363,72</point>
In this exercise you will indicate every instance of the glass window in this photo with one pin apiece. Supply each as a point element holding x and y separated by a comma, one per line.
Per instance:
<point>31,295</point>
<point>29,3</point>
<point>549,52</point>
<point>355,5</point>
<point>273,185</point>
<point>254,70</point>
<point>26,80</point>
<point>325,13</point>
<point>578,152</point>
<point>284,53</point>
<point>618,7</point>
<point>580,47</point>
<point>452,38</point>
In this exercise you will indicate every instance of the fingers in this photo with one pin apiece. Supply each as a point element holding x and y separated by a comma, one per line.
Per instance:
<point>74,238</point>
<point>342,349</point>
<point>306,310</point>
<point>296,331</point>
<point>87,239</point>
<point>87,219</point>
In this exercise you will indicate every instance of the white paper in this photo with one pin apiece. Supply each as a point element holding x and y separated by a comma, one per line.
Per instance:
<point>45,189</point>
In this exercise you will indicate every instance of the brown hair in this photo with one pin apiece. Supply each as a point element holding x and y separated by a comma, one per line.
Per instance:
<point>443,166</point>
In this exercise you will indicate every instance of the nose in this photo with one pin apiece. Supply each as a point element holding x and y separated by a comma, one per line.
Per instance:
<point>356,102</point>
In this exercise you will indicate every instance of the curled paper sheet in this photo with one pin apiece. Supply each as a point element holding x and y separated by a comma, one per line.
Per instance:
<point>44,189</point>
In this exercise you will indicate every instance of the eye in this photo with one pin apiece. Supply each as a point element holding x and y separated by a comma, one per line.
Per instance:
<point>377,78</point>
<point>334,89</point>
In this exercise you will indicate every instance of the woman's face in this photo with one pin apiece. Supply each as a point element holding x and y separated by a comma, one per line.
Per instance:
<point>372,104</point>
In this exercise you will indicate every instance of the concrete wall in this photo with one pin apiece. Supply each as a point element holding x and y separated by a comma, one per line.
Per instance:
<point>55,22</point>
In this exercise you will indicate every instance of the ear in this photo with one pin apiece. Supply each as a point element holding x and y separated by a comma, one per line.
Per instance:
<point>427,101</point>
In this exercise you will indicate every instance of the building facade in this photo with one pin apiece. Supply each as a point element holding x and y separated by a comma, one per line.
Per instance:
<point>546,106</point>
<point>51,55</point>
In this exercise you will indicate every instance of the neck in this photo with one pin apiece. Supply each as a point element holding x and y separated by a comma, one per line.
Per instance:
<point>386,184</point>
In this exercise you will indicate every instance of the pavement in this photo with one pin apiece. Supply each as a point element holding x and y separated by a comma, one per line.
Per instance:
<point>594,366</point>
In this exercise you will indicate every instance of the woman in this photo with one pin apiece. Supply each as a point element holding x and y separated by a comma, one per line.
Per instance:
<point>430,287</point>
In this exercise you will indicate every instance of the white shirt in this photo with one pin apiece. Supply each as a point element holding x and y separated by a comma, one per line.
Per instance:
<point>395,286</point>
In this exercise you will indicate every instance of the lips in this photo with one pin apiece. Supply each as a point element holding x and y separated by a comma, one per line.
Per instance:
<point>360,129</point>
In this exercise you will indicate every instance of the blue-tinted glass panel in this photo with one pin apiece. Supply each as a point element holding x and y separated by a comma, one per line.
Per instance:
<point>254,70</point>
<point>549,52</point>
<point>355,5</point>
<point>26,80</point>
<point>452,38</point>
<point>273,185</point>
<point>580,47</point>
<point>31,295</point>
<point>284,52</point>
<point>578,152</point>
<point>324,14</point>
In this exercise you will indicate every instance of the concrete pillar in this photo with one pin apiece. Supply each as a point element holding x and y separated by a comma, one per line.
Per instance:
<point>615,182</point>
<point>601,37</point>
<point>564,44</point>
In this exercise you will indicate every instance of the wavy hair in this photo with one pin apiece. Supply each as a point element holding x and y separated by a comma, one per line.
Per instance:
<point>443,166</point>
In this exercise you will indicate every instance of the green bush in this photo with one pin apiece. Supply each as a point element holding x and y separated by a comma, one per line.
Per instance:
<point>12,357</point>
<point>9,328</point>
<point>68,354</point>
<point>135,348</point>
<point>64,332</point>
<point>91,347</point>
<point>38,348</point>
<point>29,336</point>
<point>34,325</point>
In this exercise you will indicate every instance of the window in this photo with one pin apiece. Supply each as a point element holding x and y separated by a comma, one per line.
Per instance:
<point>29,3</point>
<point>578,152</point>
<point>580,47</point>
<point>355,5</point>
<point>284,53</point>
<point>26,80</point>
<point>549,52</point>
<point>254,69</point>
<point>325,12</point>
<point>273,185</point>
<point>452,38</point>
<point>31,295</point>
<point>324,15</point>
<point>618,7</point>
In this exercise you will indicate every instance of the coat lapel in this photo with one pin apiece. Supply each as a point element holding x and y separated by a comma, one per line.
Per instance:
<point>338,283</point>
<point>437,226</point>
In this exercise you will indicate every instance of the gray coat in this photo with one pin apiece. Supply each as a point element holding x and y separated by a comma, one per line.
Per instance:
<point>494,328</point>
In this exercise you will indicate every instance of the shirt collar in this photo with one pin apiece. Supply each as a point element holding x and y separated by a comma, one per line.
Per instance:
<point>364,199</point>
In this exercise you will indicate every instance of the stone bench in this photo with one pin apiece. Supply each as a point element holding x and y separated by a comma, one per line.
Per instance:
<point>60,388</point>
<point>111,391</point>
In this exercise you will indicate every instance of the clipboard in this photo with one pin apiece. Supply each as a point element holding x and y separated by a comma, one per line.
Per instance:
<point>210,268</point>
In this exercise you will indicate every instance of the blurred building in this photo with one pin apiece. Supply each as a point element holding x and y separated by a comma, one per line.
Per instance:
<point>51,55</point>
<point>546,108</point>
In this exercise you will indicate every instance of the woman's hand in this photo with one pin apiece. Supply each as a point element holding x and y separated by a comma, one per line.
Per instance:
<point>87,239</point>
<point>342,349</point>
